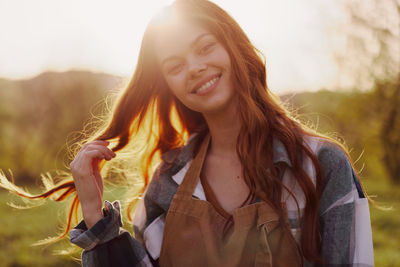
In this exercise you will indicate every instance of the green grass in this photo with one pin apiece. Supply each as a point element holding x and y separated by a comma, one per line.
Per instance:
<point>20,228</point>
<point>385,224</point>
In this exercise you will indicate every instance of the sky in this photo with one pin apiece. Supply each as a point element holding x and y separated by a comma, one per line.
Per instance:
<point>295,36</point>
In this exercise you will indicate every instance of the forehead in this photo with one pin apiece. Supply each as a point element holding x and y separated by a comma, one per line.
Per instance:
<point>176,38</point>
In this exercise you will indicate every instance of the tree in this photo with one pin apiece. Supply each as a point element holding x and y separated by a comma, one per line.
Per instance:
<point>39,116</point>
<point>373,43</point>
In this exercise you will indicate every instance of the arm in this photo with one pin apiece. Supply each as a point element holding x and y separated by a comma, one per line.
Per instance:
<point>107,244</point>
<point>106,241</point>
<point>344,213</point>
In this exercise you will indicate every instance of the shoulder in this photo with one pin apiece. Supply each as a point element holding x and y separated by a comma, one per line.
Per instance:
<point>340,183</point>
<point>331,156</point>
<point>338,177</point>
<point>335,165</point>
<point>324,148</point>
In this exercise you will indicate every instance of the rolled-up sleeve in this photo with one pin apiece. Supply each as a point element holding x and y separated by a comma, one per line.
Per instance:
<point>107,244</point>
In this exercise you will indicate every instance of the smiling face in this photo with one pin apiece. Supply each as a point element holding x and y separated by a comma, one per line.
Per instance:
<point>196,67</point>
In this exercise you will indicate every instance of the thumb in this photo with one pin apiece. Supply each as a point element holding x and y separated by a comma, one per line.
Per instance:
<point>95,166</point>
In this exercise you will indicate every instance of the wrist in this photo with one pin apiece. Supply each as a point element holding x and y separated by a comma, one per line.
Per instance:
<point>91,215</point>
<point>91,208</point>
<point>92,219</point>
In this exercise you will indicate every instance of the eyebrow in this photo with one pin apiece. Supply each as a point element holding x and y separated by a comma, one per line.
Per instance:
<point>198,38</point>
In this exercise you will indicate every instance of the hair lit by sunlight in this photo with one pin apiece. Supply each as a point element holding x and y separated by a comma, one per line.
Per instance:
<point>166,16</point>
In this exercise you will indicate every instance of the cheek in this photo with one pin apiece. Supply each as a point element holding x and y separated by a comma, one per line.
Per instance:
<point>176,85</point>
<point>222,56</point>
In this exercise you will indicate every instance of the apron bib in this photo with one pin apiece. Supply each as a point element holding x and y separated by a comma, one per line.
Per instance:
<point>194,231</point>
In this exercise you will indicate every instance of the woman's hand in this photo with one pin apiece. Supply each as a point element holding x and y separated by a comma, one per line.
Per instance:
<point>87,179</point>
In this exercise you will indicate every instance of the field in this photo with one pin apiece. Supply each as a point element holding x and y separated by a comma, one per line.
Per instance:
<point>385,224</point>
<point>20,228</point>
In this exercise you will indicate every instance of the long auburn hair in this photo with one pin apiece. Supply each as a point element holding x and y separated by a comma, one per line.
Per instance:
<point>147,106</point>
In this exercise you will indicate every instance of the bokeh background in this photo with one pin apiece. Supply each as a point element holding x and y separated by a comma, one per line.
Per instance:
<point>335,63</point>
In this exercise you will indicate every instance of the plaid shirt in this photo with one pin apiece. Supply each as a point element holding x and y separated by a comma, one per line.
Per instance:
<point>344,213</point>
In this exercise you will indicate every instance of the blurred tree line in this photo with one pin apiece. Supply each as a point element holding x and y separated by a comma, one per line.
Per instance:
<point>41,116</point>
<point>373,55</point>
<point>350,117</point>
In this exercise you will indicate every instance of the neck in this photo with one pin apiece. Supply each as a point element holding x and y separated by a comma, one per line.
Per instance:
<point>224,129</point>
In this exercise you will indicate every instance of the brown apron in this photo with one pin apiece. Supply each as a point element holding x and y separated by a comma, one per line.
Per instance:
<point>194,231</point>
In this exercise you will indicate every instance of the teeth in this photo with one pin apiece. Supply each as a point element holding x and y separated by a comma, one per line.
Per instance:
<point>206,85</point>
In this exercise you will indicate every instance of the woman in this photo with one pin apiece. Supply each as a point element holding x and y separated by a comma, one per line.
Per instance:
<point>241,183</point>
<point>270,182</point>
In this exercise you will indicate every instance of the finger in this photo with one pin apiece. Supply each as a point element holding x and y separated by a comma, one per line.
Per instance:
<point>96,142</point>
<point>106,150</point>
<point>88,157</point>
<point>95,166</point>
<point>82,166</point>
<point>83,158</point>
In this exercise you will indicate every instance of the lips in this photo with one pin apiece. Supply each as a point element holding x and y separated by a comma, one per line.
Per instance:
<point>207,81</point>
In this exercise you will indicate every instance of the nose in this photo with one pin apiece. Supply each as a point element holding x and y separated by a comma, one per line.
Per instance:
<point>196,67</point>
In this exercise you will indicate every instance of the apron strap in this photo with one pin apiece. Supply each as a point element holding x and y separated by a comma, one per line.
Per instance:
<point>186,188</point>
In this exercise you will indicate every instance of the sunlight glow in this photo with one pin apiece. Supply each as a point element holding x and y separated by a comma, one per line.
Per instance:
<point>105,36</point>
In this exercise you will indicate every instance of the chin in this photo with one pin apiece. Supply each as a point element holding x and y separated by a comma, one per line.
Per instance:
<point>221,101</point>
<point>221,106</point>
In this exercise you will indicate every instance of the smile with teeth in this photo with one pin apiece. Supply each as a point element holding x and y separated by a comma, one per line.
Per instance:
<point>206,85</point>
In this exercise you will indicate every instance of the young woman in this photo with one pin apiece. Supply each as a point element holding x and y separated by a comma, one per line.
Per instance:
<point>241,183</point>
